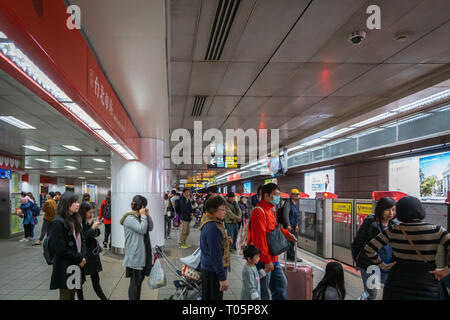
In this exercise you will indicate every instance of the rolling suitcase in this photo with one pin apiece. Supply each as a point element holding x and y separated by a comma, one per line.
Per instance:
<point>299,281</point>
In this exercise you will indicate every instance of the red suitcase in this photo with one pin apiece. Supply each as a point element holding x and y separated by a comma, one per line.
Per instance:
<point>299,281</point>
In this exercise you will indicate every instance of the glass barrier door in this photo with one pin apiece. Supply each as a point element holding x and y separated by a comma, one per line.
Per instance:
<point>363,208</point>
<point>307,235</point>
<point>342,227</point>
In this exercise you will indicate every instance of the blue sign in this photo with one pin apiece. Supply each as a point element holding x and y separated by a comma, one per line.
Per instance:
<point>5,174</point>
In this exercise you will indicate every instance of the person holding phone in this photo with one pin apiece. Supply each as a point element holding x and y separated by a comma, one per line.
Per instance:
<point>138,250</point>
<point>91,230</point>
<point>69,246</point>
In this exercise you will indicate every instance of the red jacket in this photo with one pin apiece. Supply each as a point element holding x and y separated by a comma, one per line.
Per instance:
<point>261,223</point>
<point>105,221</point>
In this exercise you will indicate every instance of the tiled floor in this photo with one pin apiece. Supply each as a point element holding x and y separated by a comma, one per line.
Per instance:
<point>25,275</point>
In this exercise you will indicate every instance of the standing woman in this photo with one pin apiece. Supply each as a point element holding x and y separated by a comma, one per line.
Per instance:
<point>413,274</point>
<point>167,216</point>
<point>138,250</point>
<point>33,208</point>
<point>68,244</point>
<point>93,266</point>
<point>244,208</point>
<point>215,250</point>
<point>370,228</point>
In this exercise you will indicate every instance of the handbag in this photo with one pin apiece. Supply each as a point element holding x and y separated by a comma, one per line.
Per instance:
<point>176,221</point>
<point>412,244</point>
<point>276,241</point>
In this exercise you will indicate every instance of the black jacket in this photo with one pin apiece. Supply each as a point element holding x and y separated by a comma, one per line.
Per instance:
<point>66,253</point>
<point>93,263</point>
<point>366,232</point>
<point>186,209</point>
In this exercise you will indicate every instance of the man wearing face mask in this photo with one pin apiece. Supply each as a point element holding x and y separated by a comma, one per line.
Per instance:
<point>263,221</point>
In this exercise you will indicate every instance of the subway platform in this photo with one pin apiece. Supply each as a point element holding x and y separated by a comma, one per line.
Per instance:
<point>26,276</point>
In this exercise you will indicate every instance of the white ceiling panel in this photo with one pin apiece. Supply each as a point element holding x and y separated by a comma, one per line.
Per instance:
<point>177,105</point>
<point>337,106</point>
<point>234,122</point>
<point>206,77</point>
<point>176,122</point>
<point>273,77</point>
<point>338,49</point>
<point>308,36</point>
<point>266,28</point>
<point>239,77</point>
<point>222,105</point>
<point>433,48</point>
<point>184,16</point>
<point>364,85</point>
<point>249,106</point>
<point>179,79</point>
<point>205,23</point>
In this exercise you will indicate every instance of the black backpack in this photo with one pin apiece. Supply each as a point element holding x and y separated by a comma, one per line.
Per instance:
<point>49,251</point>
<point>106,212</point>
<point>280,216</point>
<point>36,210</point>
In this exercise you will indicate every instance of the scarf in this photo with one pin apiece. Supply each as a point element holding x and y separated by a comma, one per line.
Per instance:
<point>225,244</point>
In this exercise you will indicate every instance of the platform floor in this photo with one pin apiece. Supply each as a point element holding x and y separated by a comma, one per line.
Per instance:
<point>25,275</point>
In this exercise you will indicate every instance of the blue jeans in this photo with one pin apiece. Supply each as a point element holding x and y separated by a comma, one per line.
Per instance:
<point>232,231</point>
<point>275,281</point>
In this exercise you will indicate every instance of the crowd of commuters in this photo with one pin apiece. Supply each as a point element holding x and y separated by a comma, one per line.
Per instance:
<point>395,238</point>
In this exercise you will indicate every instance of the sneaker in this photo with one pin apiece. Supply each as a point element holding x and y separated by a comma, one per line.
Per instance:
<point>23,240</point>
<point>168,237</point>
<point>185,246</point>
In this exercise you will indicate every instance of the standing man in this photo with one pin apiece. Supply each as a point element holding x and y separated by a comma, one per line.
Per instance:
<point>185,216</point>
<point>105,214</point>
<point>49,209</point>
<point>262,220</point>
<point>290,218</point>
<point>57,197</point>
<point>233,217</point>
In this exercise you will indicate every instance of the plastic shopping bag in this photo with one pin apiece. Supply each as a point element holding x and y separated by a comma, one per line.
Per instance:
<point>176,221</point>
<point>193,260</point>
<point>157,276</point>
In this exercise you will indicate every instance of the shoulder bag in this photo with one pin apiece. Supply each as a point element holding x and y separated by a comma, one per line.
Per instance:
<point>276,241</point>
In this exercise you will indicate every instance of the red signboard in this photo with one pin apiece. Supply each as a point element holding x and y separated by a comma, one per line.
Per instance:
<point>39,29</point>
<point>233,177</point>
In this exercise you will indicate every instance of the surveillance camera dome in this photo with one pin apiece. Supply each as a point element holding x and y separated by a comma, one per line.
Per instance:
<point>356,37</point>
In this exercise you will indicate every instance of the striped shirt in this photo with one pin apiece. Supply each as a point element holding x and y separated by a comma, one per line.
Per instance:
<point>425,237</point>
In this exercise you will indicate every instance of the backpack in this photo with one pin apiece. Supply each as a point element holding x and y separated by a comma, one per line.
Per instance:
<point>106,212</point>
<point>177,206</point>
<point>49,251</point>
<point>36,210</point>
<point>280,216</point>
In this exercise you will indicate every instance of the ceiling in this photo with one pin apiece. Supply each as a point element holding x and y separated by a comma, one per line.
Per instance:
<point>288,64</point>
<point>52,131</point>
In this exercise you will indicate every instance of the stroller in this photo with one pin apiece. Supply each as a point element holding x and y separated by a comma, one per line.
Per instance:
<point>188,282</point>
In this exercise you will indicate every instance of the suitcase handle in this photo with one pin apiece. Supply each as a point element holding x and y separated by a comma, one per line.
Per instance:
<point>286,261</point>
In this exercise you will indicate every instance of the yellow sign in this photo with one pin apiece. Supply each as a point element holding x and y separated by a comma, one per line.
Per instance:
<point>193,185</point>
<point>364,209</point>
<point>342,207</point>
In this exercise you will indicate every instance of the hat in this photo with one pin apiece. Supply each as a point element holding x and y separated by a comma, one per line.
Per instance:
<point>295,191</point>
<point>230,195</point>
<point>409,208</point>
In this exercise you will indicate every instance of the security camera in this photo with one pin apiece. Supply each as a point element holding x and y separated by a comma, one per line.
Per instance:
<point>356,37</point>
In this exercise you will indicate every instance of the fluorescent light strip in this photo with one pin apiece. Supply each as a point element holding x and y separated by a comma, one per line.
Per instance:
<point>413,118</point>
<point>225,174</point>
<point>373,119</point>
<point>336,133</point>
<point>119,148</point>
<point>16,122</point>
<point>49,171</point>
<point>81,178</point>
<point>43,160</point>
<point>82,115</point>
<point>422,102</point>
<point>105,135</point>
<point>128,156</point>
<point>35,148</point>
<point>98,160</point>
<point>71,160</point>
<point>70,167</point>
<point>73,148</point>
<point>88,171</point>
<point>310,143</point>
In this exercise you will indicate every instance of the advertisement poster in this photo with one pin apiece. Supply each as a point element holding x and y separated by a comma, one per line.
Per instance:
<point>434,173</point>
<point>319,181</point>
<point>274,180</point>
<point>247,187</point>
<point>92,190</point>
<point>362,211</point>
<point>342,213</point>
<point>427,178</point>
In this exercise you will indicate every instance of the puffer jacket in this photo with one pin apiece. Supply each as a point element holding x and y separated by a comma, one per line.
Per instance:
<point>366,232</point>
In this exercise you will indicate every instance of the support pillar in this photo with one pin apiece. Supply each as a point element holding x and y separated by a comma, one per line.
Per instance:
<point>145,178</point>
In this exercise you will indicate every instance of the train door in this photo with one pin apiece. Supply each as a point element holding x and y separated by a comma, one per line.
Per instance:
<point>363,208</point>
<point>342,227</point>
<point>307,236</point>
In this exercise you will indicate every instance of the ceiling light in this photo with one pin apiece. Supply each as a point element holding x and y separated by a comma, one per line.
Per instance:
<point>99,169</point>
<point>105,135</point>
<point>50,171</point>
<point>422,102</point>
<point>128,156</point>
<point>81,177</point>
<point>295,148</point>
<point>88,171</point>
<point>108,177</point>
<point>311,142</point>
<point>34,148</point>
<point>73,148</point>
<point>70,167</point>
<point>71,160</point>
<point>42,160</point>
<point>28,167</point>
<point>119,148</point>
<point>82,115</point>
<point>16,122</point>
<point>98,160</point>
<point>373,119</point>
<point>336,133</point>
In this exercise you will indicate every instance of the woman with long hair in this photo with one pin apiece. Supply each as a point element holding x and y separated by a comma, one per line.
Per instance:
<point>69,247</point>
<point>331,287</point>
<point>370,228</point>
<point>138,250</point>
<point>91,230</point>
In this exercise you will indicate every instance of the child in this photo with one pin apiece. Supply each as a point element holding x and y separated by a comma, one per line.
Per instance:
<point>251,289</point>
<point>331,287</point>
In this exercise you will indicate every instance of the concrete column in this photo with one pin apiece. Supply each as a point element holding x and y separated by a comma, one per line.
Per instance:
<point>145,178</point>
<point>61,185</point>
<point>33,184</point>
